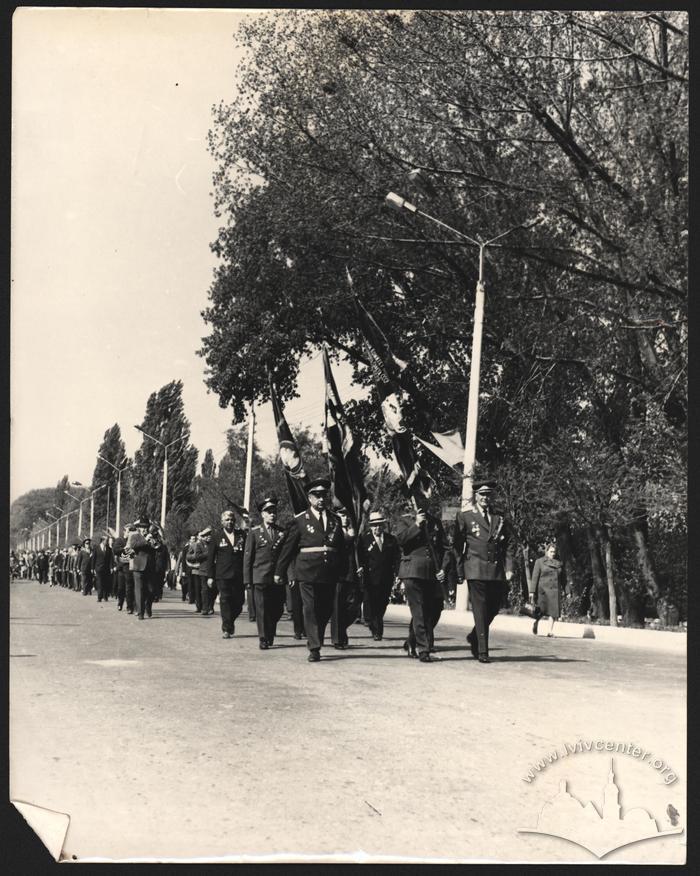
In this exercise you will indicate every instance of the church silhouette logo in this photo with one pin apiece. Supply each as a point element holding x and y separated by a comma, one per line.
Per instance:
<point>567,817</point>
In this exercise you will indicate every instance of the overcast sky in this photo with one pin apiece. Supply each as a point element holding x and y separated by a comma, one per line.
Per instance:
<point>111,224</point>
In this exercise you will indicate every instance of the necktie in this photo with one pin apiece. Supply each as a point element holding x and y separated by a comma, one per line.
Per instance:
<point>486,518</point>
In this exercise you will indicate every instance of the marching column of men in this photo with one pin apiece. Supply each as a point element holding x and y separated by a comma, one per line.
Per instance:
<point>317,564</point>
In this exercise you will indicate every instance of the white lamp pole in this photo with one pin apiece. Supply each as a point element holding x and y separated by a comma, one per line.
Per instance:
<point>164,494</point>
<point>249,458</point>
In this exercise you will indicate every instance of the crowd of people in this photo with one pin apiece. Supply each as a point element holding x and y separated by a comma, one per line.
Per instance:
<point>316,566</point>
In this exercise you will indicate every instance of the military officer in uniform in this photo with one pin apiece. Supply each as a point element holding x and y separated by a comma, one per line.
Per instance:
<point>379,556</point>
<point>315,541</point>
<point>224,567</point>
<point>262,549</point>
<point>485,550</point>
<point>422,541</point>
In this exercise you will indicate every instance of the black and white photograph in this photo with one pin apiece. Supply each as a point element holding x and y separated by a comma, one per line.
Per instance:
<point>349,435</point>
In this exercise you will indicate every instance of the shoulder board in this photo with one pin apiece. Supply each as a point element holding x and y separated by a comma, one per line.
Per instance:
<point>300,514</point>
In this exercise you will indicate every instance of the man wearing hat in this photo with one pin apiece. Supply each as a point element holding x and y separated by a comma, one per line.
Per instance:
<point>124,579</point>
<point>485,549</point>
<point>103,568</point>
<point>315,542</point>
<point>379,556</point>
<point>73,566</point>
<point>262,548</point>
<point>224,567</point>
<point>85,564</point>
<point>140,565</point>
<point>422,542</point>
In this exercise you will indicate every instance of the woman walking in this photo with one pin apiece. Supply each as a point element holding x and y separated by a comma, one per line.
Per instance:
<point>545,587</point>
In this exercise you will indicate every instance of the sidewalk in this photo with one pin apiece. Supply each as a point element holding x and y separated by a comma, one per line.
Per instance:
<point>657,640</point>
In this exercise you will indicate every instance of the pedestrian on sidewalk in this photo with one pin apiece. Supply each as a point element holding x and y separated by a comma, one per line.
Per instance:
<point>485,546</point>
<point>545,587</point>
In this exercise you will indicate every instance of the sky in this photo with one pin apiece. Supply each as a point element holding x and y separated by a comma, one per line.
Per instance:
<point>112,217</point>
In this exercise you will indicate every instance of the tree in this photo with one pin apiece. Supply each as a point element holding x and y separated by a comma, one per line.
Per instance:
<point>113,450</point>
<point>28,510</point>
<point>165,419</point>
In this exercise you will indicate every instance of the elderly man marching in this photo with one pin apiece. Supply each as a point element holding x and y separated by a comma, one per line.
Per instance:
<point>224,566</point>
<point>262,549</point>
<point>316,543</point>
<point>379,556</point>
<point>485,550</point>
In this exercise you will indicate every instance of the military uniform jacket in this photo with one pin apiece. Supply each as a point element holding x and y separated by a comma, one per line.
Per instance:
<point>224,561</point>
<point>318,556</point>
<point>416,556</point>
<point>379,565</point>
<point>484,552</point>
<point>262,549</point>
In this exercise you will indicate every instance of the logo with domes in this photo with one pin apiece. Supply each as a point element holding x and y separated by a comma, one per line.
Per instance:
<point>567,817</point>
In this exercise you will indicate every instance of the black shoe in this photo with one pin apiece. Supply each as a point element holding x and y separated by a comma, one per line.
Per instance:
<point>340,646</point>
<point>377,638</point>
<point>534,627</point>
<point>119,608</point>
<point>140,617</point>
<point>425,657</point>
<point>410,651</point>
<point>314,656</point>
<point>226,636</point>
<point>297,635</point>
<point>197,610</point>
<point>263,645</point>
<point>471,638</point>
<point>149,612</point>
<point>484,658</point>
<point>130,611</point>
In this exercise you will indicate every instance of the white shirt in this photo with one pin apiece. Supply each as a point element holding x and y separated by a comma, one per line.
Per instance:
<point>319,515</point>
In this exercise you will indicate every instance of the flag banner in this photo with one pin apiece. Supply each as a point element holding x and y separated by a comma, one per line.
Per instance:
<point>450,448</point>
<point>344,463</point>
<point>291,460</point>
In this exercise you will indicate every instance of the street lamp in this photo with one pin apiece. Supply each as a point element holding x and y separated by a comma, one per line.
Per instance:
<point>399,203</point>
<point>119,490</point>
<point>58,533</point>
<point>92,508</point>
<point>165,469</point>
<point>80,513</point>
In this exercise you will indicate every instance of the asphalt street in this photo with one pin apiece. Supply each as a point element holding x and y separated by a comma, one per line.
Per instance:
<point>162,740</point>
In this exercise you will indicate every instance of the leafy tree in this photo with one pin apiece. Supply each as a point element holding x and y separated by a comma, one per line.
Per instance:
<point>165,420</point>
<point>26,512</point>
<point>113,450</point>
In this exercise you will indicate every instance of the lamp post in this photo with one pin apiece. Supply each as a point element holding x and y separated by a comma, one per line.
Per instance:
<point>249,458</point>
<point>119,491</point>
<point>92,508</point>
<point>80,513</point>
<point>163,499</point>
<point>58,535</point>
<point>402,204</point>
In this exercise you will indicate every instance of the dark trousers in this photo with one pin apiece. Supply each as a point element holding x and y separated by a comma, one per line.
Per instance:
<point>375,602</point>
<point>232,594</point>
<point>121,576</point>
<point>486,597</point>
<point>344,611</point>
<point>209,594</point>
<point>43,576</point>
<point>296,609</point>
<point>250,602</point>
<point>196,591</point>
<point>436,611</point>
<point>102,584</point>
<point>269,603</point>
<point>76,581</point>
<point>186,587</point>
<point>422,600</point>
<point>143,592</point>
<point>317,599</point>
<point>86,580</point>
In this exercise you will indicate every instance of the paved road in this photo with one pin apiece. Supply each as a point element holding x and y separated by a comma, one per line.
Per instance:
<point>161,739</point>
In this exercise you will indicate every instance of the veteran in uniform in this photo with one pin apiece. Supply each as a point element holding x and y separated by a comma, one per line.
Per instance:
<point>485,550</point>
<point>422,541</point>
<point>315,541</point>
<point>262,549</point>
<point>224,568</point>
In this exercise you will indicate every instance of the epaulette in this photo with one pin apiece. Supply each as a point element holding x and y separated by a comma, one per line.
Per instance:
<point>300,514</point>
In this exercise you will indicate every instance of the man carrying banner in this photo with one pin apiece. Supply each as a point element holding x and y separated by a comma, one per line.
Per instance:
<point>316,543</point>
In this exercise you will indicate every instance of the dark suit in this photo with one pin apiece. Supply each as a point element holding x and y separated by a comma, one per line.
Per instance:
<point>224,564</point>
<point>124,577</point>
<point>42,565</point>
<point>161,566</point>
<point>422,553</point>
<point>103,570</point>
<point>85,568</point>
<point>379,567</point>
<point>262,549</point>
<point>182,571</point>
<point>318,558</point>
<point>485,552</point>
<point>347,594</point>
<point>141,566</point>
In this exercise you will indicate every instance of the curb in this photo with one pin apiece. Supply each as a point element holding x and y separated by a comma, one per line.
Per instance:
<point>656,640</point>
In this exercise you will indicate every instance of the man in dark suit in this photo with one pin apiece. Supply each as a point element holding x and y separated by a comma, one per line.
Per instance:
<point>85,565</point>
<point>315,541</point>
<point>103,568</point>
<point>224,567</point>
<point>422,542</point>
<point>262,549</point>
<point>140,563</point>
<point>123,578</point>
<point>42,564</point>
<point>379,556</point>
<point>347,589</point>
<point>485,549</point>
